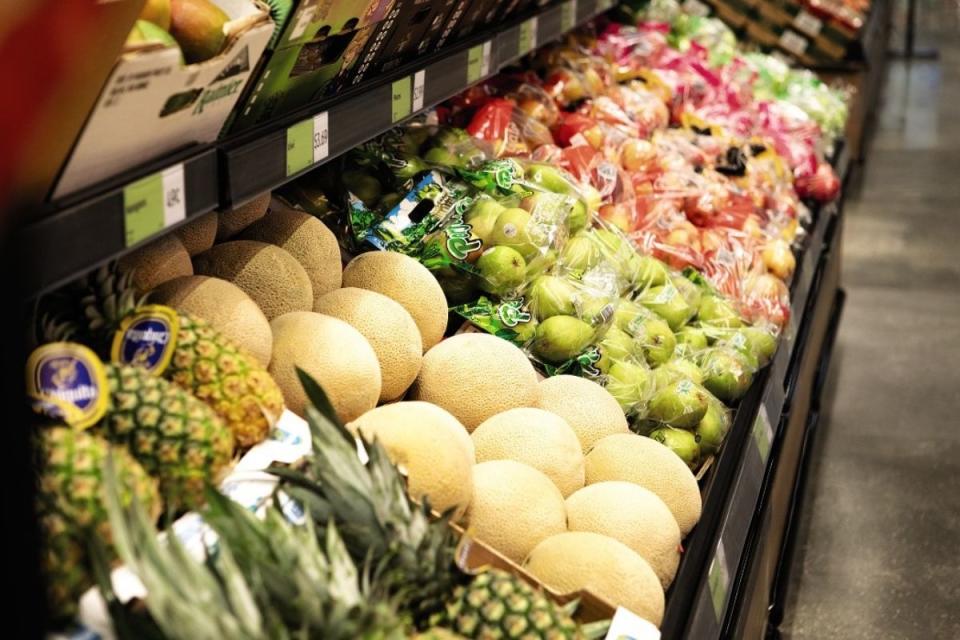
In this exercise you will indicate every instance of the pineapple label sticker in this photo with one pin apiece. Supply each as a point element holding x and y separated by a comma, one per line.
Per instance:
<point>147,338</point>
<point>66,381</point>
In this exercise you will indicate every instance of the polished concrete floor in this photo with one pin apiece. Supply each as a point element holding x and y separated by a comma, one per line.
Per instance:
<point>878,553</point>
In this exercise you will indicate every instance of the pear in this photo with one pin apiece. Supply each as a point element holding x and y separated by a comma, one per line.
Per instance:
<point>718,312</point>
<point>526,331</point>
<point>561,338</point>
<point>667,302</point>
<point>629,312</point>
<point>694,337</point>
<point>629,383</point>
<point>198,26</point>
<point>681,442</point>
<point>510,230</point>
<point>690,292</point>
<point>502,270</point>
<point>681,403</point>
<point>363,185</point>
<point>580,253</point>
<point>459,288</point>
<point>578,218</point>
<point>759,342</point>
<point>552,296</point>
<point>648,272</point>
<point>713,427</point>
<point>482,217</point>
<point>549,178</point>
<point>442,158</point>
<point>541,263</point>
<point>727,373</point>
<point>684,368</point>
<point>615,345</point>
<point>654,338</point>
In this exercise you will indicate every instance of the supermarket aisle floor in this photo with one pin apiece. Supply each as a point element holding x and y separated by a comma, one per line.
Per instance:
<point>877,553</point>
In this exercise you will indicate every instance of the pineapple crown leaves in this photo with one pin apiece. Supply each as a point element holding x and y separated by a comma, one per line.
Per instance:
<point>414,554</point>
<point>187,598</point>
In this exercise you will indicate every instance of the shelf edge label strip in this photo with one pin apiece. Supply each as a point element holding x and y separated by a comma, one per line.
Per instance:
<point>153,204</point>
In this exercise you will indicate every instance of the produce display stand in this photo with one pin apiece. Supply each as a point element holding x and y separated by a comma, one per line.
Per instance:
<point>729,584</point>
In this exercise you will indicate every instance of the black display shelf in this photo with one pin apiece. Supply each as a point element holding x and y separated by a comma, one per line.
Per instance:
<point>707,592</point>
<point>74,235</point>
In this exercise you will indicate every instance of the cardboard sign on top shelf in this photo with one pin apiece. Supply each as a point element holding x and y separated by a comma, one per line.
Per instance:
<point>318,46</point>
<point>153,103</point>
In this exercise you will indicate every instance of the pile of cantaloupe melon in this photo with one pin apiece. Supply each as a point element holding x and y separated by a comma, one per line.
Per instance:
<point>546,472</point>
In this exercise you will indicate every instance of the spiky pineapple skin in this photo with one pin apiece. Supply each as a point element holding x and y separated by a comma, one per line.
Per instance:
<point>229,380</point>
<point>71,505</point>
<point>496,605</point>
<point>176,437</point>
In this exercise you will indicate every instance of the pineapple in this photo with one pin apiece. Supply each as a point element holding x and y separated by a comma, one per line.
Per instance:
<point>176,438</point>
<point>71,502</point>
<point>205,363</point>
<point>369,506</point>
<point>268,579</point>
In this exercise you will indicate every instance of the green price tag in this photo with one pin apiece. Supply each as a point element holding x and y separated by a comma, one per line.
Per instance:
<point>528,37</point>
<point>763,434</point>
<point>143,209</point>
<point>568,15</point>
<point>474,64</point>
<point>604,5</point>
<point>299,146</point>
<point>718,579</point>
<point>400,99</point>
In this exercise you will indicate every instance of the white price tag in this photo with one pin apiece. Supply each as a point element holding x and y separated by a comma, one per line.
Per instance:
<point>628,625</point>
<point>763,434</point>
<point>807,23</point>
<point>174,195</point>
<point>794,43</point>
<point>696,8</point>
<point>419,85</point>
<point>321,137</point>
<point>568,15</point>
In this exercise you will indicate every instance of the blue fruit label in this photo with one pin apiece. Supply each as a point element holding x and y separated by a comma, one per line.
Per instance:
<point>67,381</point>
<point>147,338</point>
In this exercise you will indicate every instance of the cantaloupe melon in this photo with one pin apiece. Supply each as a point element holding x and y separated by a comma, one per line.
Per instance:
<point>644,461</point>
<point>606,567</point>
<point>334,353</point>
<point>587,407</point>
<point>225,306</point>
<point>268,274</point>
<point>430,445</point>
<point>514,507</point>
<point>163,259</point>
<point>199,233</point>
<point>475,376</point>
<point>635,516</point>
<point>305,238</point>
<point>408,282</point>
<point>535,437</point>
<point>387,327</point>
<point>232,221</point>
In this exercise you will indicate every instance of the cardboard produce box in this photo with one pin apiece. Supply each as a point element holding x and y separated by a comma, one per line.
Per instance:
<point>153,103</point>
<point>317,48</point>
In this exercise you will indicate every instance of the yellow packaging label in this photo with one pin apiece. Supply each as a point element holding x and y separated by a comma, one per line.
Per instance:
<point>147,338</point>
<point>67,381</point>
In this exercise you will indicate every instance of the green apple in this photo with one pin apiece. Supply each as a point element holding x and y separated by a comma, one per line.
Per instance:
<point>552,296</point>
<point>718,312</point>
<point>726,373</point>
<point>713,427</point>
<point>667,302</point>
<point>681,403</point>
<point>655,340</point>
<point>561,338</point>
<point>511,230</point>
<point>502,270</point>
<point>681,442</point>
